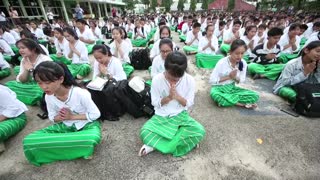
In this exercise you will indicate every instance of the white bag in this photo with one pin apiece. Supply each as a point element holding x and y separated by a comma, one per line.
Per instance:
<point>137,84</point>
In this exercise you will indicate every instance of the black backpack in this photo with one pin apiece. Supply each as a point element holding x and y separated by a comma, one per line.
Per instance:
<point>43,107</point>
<point>109,105</point>
<point>308,99</point>
<point>140,59</point>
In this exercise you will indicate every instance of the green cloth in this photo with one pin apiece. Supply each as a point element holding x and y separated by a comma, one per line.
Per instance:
<point>11,126</point>
<point>225,48</point>
<point>284,58</point>
<point>270,71</point>
<point>128,69</point>
<point>62,59</point>
<point>60,142</point>
<point>172,28</point>
<point>287,93</point>
<point>89,48</point>
<point>7,58</point>
<point>229,95</point>
<point>246,58</point>
<point>139,42</point>
<point>175,135</point>
<point>207,61</point>
<point>151,46</point>
<point>29,93</point>
<point>79,69</point>
<point>303,41</point>
<point>15,49</point>
<point>190,49</point>
<point>149,82</point>
<point>220,42</point>
<point>43,42</point>
<point>179,32</point>
<point>16,70</point>
<point>129,34</point>
<point>100,41</point>
<point>5,73</point>
<point>182,38</point>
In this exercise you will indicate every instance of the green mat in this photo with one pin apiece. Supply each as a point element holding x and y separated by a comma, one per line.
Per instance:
<point>207,61</point>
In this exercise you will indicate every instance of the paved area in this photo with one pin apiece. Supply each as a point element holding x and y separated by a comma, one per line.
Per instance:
<point>290,146</point>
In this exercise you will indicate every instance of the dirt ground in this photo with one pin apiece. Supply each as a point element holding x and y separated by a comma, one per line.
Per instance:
<point>290,147</point>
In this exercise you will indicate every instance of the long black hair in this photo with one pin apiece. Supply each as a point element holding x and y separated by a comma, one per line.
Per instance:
<point>49,71</point>
<point>235,45</point>
<point>176,64</point>
<point>102,48</point>
<point>32,45</point>
<point>310,46</point>
<point>163,28</point>
<point>71,31</point>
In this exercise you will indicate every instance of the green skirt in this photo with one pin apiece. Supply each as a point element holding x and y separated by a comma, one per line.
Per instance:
<point>15,49</point>
<point>284,58</point>
<point>5,73</point>
<point>288,93</point>
<point>270,71</point>
<point>190,49</point>
<point>303,41</point>
<point>182,38</point>
<point>139,42</point>
<point>225,48</point>
<point>62,59</point>
<point>60,142</point>
<point>43,42</point>
<point>175,135</point>
<point>16,70</point>
<point>89,48</point>
<point>79,69</point>
<point>229,95</point>
<point>129,35</point>
<point>29,93</point>
<point>7,58</point>
<point>11,126</point>
<point>128,69</point>
<point>207,61</point>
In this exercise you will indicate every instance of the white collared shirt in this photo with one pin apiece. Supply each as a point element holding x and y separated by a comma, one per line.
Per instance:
<point>160,89</point>
<point>190,37</point>
<point>38,33</point>
<point>284,40</point>
<point>10,106</point>
<point>157,66</point>
<point>79,102</point>
<point>6,48</point>
<point>87,34</point>
<point>84,57</point>
<point>114,68</point>
<point>61,47</point>
<point>124,47</point>
<point>8,38</point>
<point>3,63</point>
<point>204,42</point>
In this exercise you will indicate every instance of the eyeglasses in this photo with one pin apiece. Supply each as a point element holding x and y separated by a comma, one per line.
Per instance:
<point>165,52</point>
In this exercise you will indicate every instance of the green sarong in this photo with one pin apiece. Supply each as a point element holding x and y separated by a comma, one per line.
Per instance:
<point>225,48</point>
<point>7,58</point>
<point>149,82</point>
<point>229,95</point>
<point>29,93</point>
<point>139,42</point>
<point>79,69</point>
<point>43,42</point>
<point>220,42</point>
<point>287,93</point>
<point>60,142</point>
<point>100,41</point>
<point>175,135</point>
<point>5,73</point>
<point>270,71</point>
<point>129,34</point>
<point>190,49</point>
<point>15,49</point>
<point>62,59</point>
<point>16,70</point>
<point>128,69</point>
<point>89,48</point>
<point>284,58</point>
<point>303,41</point>
<point>182,38</point>
<point>11,126</point>
<point>207,61</point>
<point>179,32</point>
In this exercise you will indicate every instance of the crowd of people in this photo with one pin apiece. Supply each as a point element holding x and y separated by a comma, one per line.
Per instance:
<point>51,59</point>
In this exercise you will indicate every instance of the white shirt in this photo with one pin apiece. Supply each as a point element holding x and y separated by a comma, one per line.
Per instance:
<point>228,35</point>
<point>218,33</point>
<point>61,47</point>
<point>79,102</point>
<point>124,47</point>
<point>97,33</point>
<point>130,28</point>
<point>223,68</point>
<point>3,63</point>
<point>203,26</point>
<point>6,48</point>
<point>87,34</point>
<point>38,33</point>
<point>84,57</point>
<point>10,106</point>
<point>140,31</point>
<point>2,17</point>
<point>190,37</point>
<point>247,41</point>
<point>160,89</point>
<point>185,28</point>
<point>156,36</point>
<point>156,49</point>
<point>313,37</point>
<point>157,66</point>
<point>130,48</point>
<point>284,40</point>
<point>8,38</point>
<point>15,35</point>
<point>147,28</point>
<point>114,68</point>
<point>41,58</point>
<point>204,42</point>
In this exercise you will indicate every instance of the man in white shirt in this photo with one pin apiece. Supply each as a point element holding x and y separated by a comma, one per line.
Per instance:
<point>290,42</point>
<point>232,34</point>
<point>192,40</point>
<point>186,27</point>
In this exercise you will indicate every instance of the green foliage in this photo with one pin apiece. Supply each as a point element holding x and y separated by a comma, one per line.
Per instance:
<point>181,5</point>
<point>154,4</point>
<point>231,4</point>
<point>193,5</point>
<point>167,4</point>
<point>205,4</point>
<point>130,4</point>
<point>145,2</point>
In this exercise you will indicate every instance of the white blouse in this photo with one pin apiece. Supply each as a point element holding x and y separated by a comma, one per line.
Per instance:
<point>155,51</point>
<point>114,68</point>
<point>10,106</point>
<point>6,48</point>
<point>223,68</point>
<point>284,40</point>
<point>38,33</point>
<point>41,58</point>
<point>8,38</point>
<point>247,41</point>
<point>190,37</point>
<point>3,63</point>
<point>15,35</point>
<point>79,102</point>
<point>160,89</point>
<point>61,47</point>
<point>124,47</point>
<point>84,57</point>
<point>157,66</point>
<point>97,33</point>
<point>204,42</point>
<point>87,34</point>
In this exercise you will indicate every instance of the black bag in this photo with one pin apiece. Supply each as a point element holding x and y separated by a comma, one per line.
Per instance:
<point>308,99</point>
<point>43,107</point>
<point>109,105</point>
<point>140,59</point>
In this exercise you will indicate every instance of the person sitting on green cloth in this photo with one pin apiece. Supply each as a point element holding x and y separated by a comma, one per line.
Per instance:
<point>187,25</point>
<point>75,131</point>
<point>95,30</point>
<point>164,32</point>
<point>5,69</point>
<point>305,68</point>
<point>192,40</point>
<point>85,34</point>
<point>12,117</point>
<point>77,51</point>
<point>229,36</point>
<point>228,71</point>
<point>25,87</point>
<point>139,32</point>
<point>171,130</point>
<point>166,47</point>
<point>265,63</point>
<point>120,49</point>
<point>62,46</point>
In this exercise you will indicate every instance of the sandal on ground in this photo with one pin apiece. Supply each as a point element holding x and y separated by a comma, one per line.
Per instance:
<point>145,150</point>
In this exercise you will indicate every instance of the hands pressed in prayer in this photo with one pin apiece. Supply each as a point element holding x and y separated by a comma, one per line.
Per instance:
<point>233,74</point>
<point>271,56</point>
<point>65,114</point>
<point>309,68</point>
<point>103,69</point>
<point>27,65</point>
<point>292,41</point>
